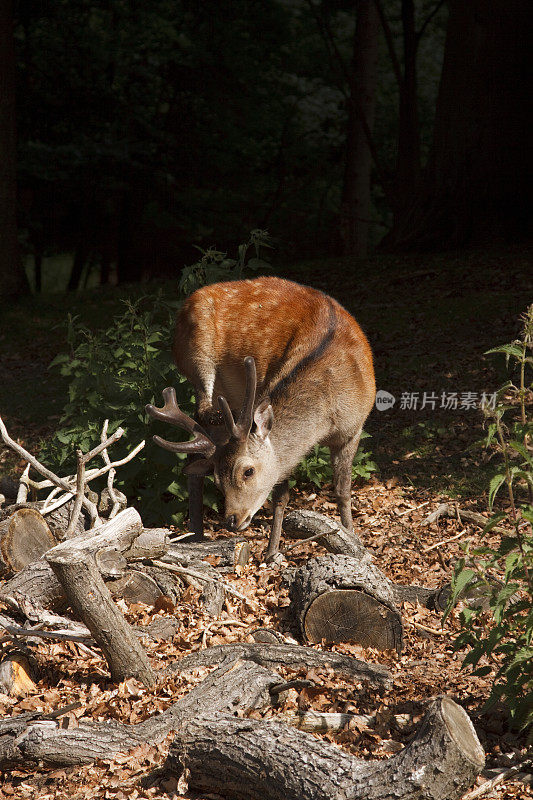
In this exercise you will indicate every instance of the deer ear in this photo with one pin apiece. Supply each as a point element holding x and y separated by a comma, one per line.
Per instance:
<point>200,466</point>
<point>263,418</point>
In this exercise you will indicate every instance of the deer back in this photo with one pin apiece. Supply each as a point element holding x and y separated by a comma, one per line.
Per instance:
<point>311,356</point>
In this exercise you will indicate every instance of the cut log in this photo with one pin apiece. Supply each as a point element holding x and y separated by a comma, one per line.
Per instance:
<point>15,673</point>
<point>333,537</point>
<point>57,519</point>
<point>289,655</point>
<point>340,598</point>
<point>24,537</point>
<point>151,543</point>
<point>28,739</point>
<point>74,565</point>
<point>247,759</point>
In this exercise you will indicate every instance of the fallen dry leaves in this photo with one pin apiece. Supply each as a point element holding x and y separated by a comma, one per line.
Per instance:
<point>389,522</point>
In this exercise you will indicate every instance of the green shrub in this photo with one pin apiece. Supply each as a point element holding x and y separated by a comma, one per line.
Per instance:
<point>114,373</point>
<point>316,468</point>
<point>502,567</point>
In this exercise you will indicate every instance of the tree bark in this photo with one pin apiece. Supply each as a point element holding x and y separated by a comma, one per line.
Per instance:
<point>477,188</point>
<point>356,202</point>
<point>13,280</point>
<point>246,759</point>
<point>338,599</point>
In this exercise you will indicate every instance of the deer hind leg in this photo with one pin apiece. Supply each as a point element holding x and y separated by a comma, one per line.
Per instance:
<point>342,457</point>
<point>280,498</point>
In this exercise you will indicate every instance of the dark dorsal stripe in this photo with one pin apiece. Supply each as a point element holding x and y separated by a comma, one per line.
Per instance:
<point>280,387</point>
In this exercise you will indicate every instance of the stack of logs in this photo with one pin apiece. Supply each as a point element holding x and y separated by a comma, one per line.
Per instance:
<point>334,598</point>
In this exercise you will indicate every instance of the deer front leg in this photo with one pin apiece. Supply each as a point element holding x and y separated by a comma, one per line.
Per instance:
<point>341,460</point>
<point>195,487</point>
<point>280,498</point>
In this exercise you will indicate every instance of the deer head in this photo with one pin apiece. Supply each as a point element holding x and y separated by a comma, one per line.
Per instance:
<point>245,465</point>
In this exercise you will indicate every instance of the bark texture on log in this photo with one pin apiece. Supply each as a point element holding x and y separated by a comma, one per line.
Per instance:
<point>30,738</point>
<point>334,537</point>
<point>341,598</point>
<point>247,759</point>
<point>290,655</point>
<point>38,582</point>
<point>24,537</point>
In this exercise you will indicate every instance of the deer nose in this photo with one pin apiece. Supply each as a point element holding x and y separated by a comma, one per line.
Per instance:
<point>230,522</point>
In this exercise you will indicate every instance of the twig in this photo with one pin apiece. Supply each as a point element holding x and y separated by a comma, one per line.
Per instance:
<point>408,511</point>
<point>22,494</point>
<point>501,776</point>
<point>63,636</point>
<point>110,475</point>
<point>312,538</point>
<point>202,577</point>
<point>453,512</point>
<point>80,491</point>
<point>444,541</point>
<point>427,628</point>
<point>61,502</point>
<point>42,470</point>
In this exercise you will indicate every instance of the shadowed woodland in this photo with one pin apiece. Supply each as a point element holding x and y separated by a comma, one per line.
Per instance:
<point>377,150</point>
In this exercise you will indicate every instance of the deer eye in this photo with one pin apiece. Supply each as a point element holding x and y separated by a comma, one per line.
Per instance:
<point>249,472</point>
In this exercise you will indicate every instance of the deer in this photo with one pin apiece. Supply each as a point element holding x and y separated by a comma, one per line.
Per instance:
<point>289,368</point>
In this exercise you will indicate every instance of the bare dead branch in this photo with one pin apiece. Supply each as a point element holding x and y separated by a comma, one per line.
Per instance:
<point>42,470</point>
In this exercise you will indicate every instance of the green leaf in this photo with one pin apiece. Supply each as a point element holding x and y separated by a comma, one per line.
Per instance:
<point>494,487</point>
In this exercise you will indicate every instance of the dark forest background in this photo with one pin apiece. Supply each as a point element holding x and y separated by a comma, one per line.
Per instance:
<point>132,131</point>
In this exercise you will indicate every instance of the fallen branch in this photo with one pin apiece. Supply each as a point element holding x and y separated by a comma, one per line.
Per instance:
<point>292,656</point>
<point>488,786</point>
<point>42,470</point>
<point>453,512</point>
<point>233,758</point>
<point>28,739</point>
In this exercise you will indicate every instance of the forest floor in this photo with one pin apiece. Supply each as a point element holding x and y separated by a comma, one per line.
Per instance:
<point>429,321</point>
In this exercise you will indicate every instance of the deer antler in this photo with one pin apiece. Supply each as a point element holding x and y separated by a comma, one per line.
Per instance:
<point>172,413</point>
<point>241,428</point>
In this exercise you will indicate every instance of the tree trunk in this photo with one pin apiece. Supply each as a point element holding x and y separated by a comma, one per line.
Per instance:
<point>356,204</point>
<point>477,187</point>
<point>13,280</point>
<point>247,759</point>
<point>408,166</point>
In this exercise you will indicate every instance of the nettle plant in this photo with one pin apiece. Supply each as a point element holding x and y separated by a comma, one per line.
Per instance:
<point>113,373</point>
<point>501,630</point>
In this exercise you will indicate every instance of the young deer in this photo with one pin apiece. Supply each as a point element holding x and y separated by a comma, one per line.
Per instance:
<point>308,379</point>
